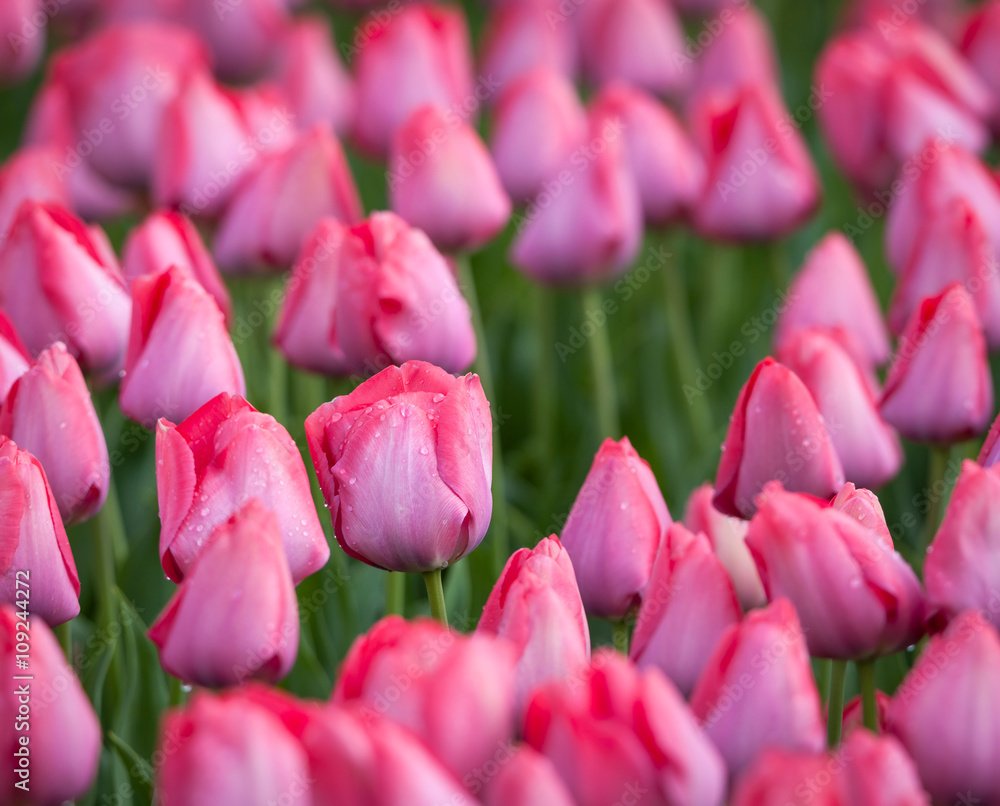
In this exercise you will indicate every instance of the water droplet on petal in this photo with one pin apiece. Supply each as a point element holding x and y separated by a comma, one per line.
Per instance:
<point>437,398</point>
<point>424,451</point>
<point>353,480</point>
<point>335,417</point>
<point>204,511</point>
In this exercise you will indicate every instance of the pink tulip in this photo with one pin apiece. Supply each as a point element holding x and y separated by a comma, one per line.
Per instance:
<point>418,56</point>
<point>727,536</point>
<point>989,455</point>
<point>53,750</point>
<point>278,205</point>
<point>521,37</point>
<point>613,731</point>
<point>854,713</point>
<point>526,779</point>
<point>28,174</point>
<point>855,596</point>
<point>735,130</point>
<point>14,356</point>
<point>538,122</point>
<point>618,507</point>
<point>779,777</point>
<point>977,40</point>
<point>665,165</point>
<point>34,545</point>
<point>832,291</point>
<point>405,464</point>
<point>218,459</point>
<point>943,15</point>
<point>938,388</point>
<point>179,353</point>
<point>24,39</point>
<point>59,281</point>
<point>688,604</point>
<point>455,692</point>
<point>741,53</point>
<point>946,712</point>
<point>757,690</point>
<point>50,414</point>
<point>536,605</point>
<point>776,433</point>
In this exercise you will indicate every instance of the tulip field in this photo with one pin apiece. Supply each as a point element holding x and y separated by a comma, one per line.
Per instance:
<point>501,402</point>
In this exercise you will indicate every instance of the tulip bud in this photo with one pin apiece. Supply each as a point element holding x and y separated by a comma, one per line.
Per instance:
<point>757,690</point>
<point>418,56</point>
<point>727,536</point>
<point>613,730</point>
<point>276,207</point>
<point>832,291</point>
<point>218,459</point>
<point>618,505</point>
<point>536,606</point>
<point>780,777</point>
<point>179,354</point>
<point>53,737</point>
<point>946,711</point>
<point>455,692</point>
<point>521,37</point>
<point>28,174</point>
<point>938,388</point>
<point>741,53</point>
<point>14,356</point>
<point>21,54</point>
<point>687,605</point>
<point>854,713</point>
<point>35,549</point>
<point>405,464</point>
<point>59,281</point>
<point>776,432</point>
<point>527,779</point>
<point>538,122</point>
<point>50,414</point>
<point>442,180</point>
<point>977,41</point>
<point>855,596</point>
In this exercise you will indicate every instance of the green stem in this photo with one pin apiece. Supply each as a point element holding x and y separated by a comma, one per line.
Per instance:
<point>835,711</point>
<point>65,634</point>
<point>602,368</point>
<point>395,594</point>
<point>869,705</point>
<point>108,529</point>
<point>823,678</point>
<point>435,593</point>
<point>619,636</point>
<point>936,473</point>
<point>545,379</point>
<point>178,696</point>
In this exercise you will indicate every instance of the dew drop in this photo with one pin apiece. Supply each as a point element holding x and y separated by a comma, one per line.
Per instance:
<point>424,451</point>
<point>335,417</point>
<point>353,480</point>
<point>437,398</point>
<point>204,511</point>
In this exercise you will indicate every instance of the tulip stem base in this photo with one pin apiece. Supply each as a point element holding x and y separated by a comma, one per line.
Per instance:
<point>835,710</point>
<point>435,593</point>
<point>619,636</point>
<point>869,705</point>
<point>602,368</point>
<point>395,594</point>
<point>935,476</point>
<point>823,678</point>
<point>108,529</point>
<point>65,634</point>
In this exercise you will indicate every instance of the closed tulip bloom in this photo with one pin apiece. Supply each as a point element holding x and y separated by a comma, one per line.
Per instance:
<point>28,174</point>
<point>61,737</point>
<point>59,281</point>
<point>946,712</point>
<point>614,730</point>
<point>667,169</point>
<point>728,538</point>
<point>180,355</point>
<point>280,203</point>
<point>14,356</point>
<point>460,698</point>
<point>780,777</point>
<point>776,433</point>
<point>50,414</point>
<point>227,751</point>
<point>235,615</point>
<point>33,539</point>
<point>868,448</point>
<point>855,595</point>
<point>613,531</point>
<point>687,605</point>
<point>21,54</point>
<point>167,238</point>
<point>416,57</point>
<point>742,53</point>
<point>880,773</point>
<point>218,459</point>
<point>978,40</point>
<point>405,462</point>
<point>833,291</point>
<point>538,121</point>
<point>520,37</point>
<point>536,605</point>
<point>527,779</point>
<point>757,690</point>
<point>938,388</point>
<point>442,180</point>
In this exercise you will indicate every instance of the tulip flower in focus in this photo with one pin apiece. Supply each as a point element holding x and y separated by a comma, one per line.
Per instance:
<point>617,730</point>
<point>613,531</point>
<point>405,465</point>
<point>943,341</point>
<point>218,459</point>
<point>527,779</point>
<point>49,413</point>
<point>536,605</point>
<point>757,690</point>
<point>14,356</point>
<point>460,698</point>
<point>60,281</point>
<point>442,180</point>
<point>28,174</point>
<point>61,738</point>
<point>180,355</point>
<point>687,605</point>
<point>855,596</point>
<point>34,539</point>
<point>776,433</point>
<point>521,37</point>
<point>280,203</point>
<point>946,712</point>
